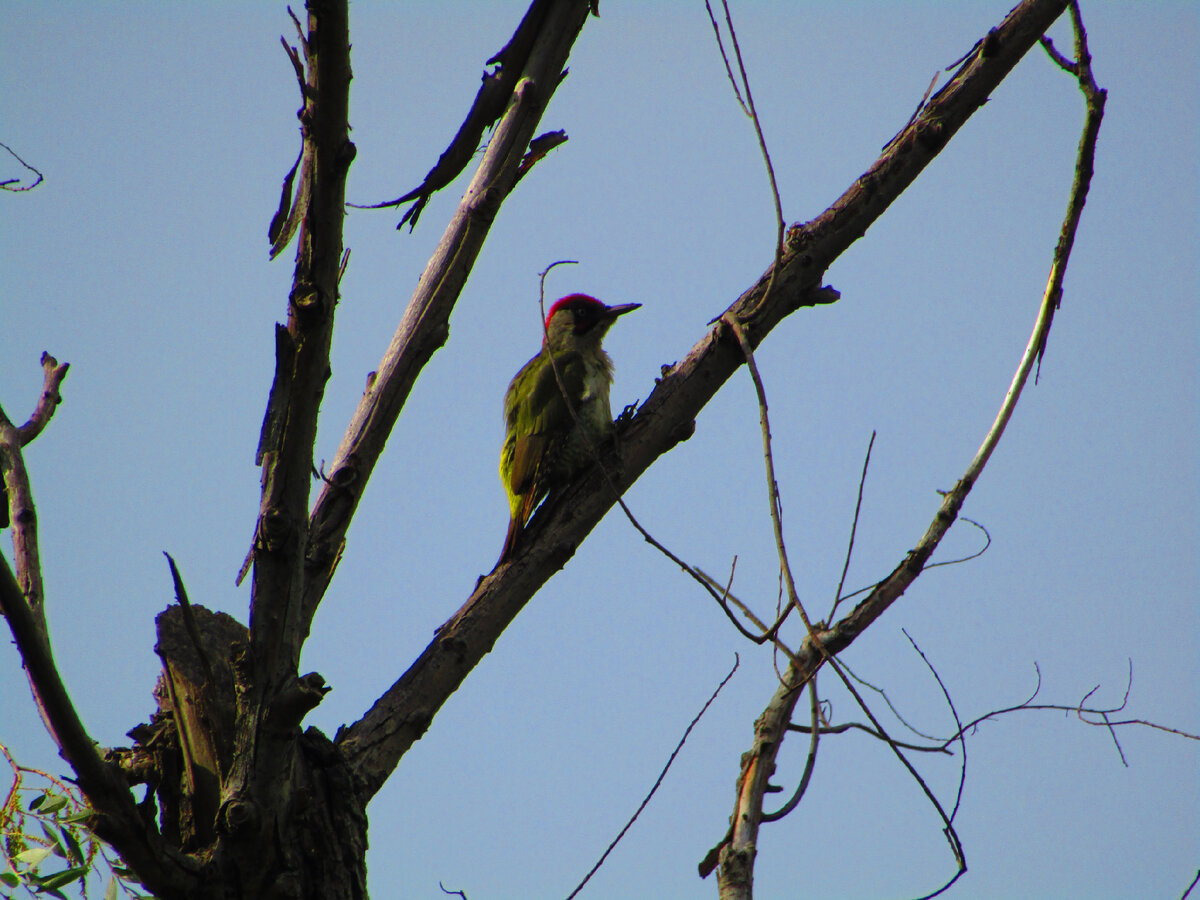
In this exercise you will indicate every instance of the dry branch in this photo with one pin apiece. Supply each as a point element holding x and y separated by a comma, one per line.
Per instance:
<point>21,516</point>
<point>377,741</point>
<point>737,852</point>
<point>52,374</point>
<point>275,622</point>
<point>494,96</point>
<point>117,820</point>
<point>425,325</point>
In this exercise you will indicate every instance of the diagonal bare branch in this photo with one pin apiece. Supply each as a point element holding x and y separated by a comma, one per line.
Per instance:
<point>658,782</point>
<point>494,96</point>
<point>375,743</point>
<point>424,327</point>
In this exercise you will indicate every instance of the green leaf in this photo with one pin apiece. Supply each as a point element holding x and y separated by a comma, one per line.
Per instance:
<point>74,851</point>
<point>110,890</point>
<point>77,817</point>
<point>58,879</point>
<point>10,879</point>
<point>33,856</point>
<point>53,892</point>
<point>53,803</point>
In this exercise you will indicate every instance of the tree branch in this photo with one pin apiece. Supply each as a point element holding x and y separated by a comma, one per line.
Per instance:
<point>494,96</point>
<point>53,375</point>
<point>737,856</point>
<point>658,782</point>
<point>376,742</point>
<point>21,516</point>
<point>266,741</point>
<point>276,631</point>
<point>424,328</point>
<point>160,869</point>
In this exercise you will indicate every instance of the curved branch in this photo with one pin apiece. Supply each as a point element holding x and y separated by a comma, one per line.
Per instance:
<point>118,821</point>
<point>7,183</point>
<point>53,375</point>
<point>809,763</point>
<point>161,869</point>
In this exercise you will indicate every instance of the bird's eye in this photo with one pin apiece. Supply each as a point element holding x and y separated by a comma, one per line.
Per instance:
<point>585,320</point>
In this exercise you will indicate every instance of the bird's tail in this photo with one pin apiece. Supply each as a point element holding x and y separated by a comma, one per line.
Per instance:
<point>510,540</point>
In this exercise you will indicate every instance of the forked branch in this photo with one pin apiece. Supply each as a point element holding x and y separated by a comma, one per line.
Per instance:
<point>736,853</point>
<point>424,327</point>
<point>22,603</point>
<point>377,741</point>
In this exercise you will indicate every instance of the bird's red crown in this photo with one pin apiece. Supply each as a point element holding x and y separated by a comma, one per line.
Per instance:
<point>576,301</point>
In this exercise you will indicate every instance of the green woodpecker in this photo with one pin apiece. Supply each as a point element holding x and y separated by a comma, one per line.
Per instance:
<point>551,419</point>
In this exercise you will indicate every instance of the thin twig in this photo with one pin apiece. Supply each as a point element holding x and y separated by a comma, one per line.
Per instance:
<point>773,499</point>
<point>749,108</point>
<point>962,774</point>
<point>1081,712</point>
<point>725,58</point>
<point>862,480</point>
<point>888,700</point>
<point>1190,886</point>
<point>658,782</point>
<point>920,108</point>
<point>949,562</point>
<point>978,553</point>
<point>8,183</point>
<point>809,763</point>
<point>952,837</point>
<point>867,729</point>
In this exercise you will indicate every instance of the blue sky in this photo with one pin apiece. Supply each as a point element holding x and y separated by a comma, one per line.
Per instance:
<point>164,132</point>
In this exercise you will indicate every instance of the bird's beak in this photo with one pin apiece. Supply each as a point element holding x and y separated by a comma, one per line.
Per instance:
<point>614,311</point>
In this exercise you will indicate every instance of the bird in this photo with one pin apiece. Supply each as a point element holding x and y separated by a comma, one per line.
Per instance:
<point>556,412</point>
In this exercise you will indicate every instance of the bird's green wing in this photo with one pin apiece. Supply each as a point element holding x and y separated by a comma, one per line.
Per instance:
<point>551,415</point>
<point>537,417</point>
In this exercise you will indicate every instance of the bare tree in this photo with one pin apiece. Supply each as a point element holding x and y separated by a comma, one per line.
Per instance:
<point>240,801</point>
